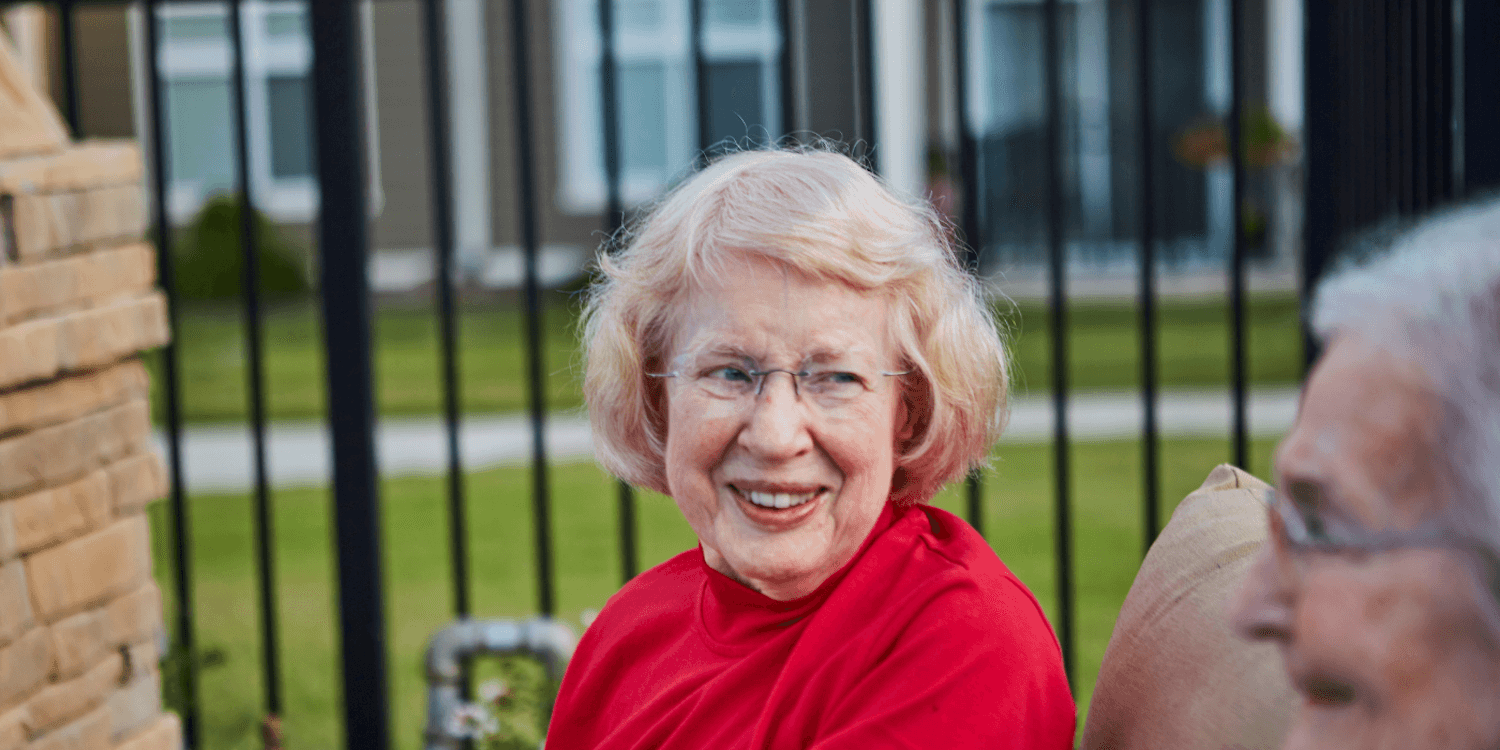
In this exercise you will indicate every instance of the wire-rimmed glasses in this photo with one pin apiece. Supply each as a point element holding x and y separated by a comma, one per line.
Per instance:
<point>1308,529</point>
<point>828,386</point>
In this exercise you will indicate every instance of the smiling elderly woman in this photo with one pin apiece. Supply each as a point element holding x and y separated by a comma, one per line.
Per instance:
<point>793,355</point>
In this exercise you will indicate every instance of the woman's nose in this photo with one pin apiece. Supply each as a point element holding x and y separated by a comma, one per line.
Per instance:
<point>1263,607</point>
<point>776,425</point>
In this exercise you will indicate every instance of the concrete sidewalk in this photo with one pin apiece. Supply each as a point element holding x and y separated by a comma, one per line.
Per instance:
<point>217,458</point>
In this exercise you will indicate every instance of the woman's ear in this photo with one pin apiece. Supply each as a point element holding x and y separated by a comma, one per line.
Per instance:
<point>913,412</point>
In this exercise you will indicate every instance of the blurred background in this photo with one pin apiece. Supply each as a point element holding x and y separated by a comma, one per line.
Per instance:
<point>1148,189</point>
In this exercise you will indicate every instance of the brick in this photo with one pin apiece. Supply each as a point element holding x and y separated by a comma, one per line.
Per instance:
<point>104,335</point>
<point>75,281</point>
<point>28,352</point>
<point>51,516</point>
<point>61,453</point>
<point>164,734</point>
<point>88,164</point>
<point>13,729</point>
<point>135,706</point>
<point>134,617</point>
<point>71,397</point>
<point>61,702</point>
<point>136,481</point>
<point>46,224</point>
<point>28,121</point>
<point>15,602</point>
<point>24,665</point>
<point>91,732</point>
<point>79,641</point>
<point>89,569</point>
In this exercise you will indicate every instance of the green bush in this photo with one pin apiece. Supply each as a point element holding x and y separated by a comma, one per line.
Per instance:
<point>210,266</point>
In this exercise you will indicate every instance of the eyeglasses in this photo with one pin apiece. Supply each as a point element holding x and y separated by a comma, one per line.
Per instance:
<point>829,388</point>
<point>1305,530</point>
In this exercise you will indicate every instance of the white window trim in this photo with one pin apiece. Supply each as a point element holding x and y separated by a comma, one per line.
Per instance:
<point>283,199</point>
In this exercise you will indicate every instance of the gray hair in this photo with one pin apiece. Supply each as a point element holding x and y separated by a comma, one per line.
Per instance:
<point>1431,294</point>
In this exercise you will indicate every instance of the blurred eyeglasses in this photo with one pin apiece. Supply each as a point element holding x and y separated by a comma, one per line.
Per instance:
<point>1306,528</point>
<point>828,387</point>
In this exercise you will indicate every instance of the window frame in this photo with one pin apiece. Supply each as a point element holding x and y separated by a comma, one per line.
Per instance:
<point>288,199</point>
<point>581,185</point>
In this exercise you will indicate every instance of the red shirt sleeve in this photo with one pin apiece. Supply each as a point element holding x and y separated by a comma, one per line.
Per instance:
<point>971,671</point>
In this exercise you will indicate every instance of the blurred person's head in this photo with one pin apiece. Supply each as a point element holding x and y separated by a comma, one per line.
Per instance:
<point>1379,582</point>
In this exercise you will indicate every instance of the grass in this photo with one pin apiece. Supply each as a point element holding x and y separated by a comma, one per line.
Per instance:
<point>1107,544</point>
<point>1103,345</point>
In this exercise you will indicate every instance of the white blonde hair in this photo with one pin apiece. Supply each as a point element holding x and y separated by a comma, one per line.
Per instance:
<point>820,214</point>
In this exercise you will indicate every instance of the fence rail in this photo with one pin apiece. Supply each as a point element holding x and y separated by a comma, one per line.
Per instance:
<point>1402,103</point>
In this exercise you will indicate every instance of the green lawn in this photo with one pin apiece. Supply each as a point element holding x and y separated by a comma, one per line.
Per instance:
<point>1103,351</point>
<point>1107,544</point>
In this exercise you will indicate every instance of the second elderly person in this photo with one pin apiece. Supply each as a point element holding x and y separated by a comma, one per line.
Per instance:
<point>1380,579</point>
<point>793,354</point>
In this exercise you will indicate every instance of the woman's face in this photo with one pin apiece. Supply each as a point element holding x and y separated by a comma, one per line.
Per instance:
<point>731,459</point>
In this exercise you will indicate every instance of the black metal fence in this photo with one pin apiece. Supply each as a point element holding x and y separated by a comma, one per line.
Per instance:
<point>1386,133</point>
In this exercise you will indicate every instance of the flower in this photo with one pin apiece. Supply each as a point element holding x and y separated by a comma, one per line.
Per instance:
<point>472,721</point>
<point>493,691</point>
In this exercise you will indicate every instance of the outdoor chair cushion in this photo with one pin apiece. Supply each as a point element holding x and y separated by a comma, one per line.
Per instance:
<point>1175,675</point>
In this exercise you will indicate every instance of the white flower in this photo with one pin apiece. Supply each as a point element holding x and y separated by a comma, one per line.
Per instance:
<point>491,691</point>
<point>587,617</point>
<point>472,721</point>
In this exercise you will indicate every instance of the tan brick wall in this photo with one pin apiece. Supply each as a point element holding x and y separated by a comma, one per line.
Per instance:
<point>80,616</point>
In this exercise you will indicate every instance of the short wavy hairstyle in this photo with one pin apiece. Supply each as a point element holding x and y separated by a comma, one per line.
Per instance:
<point>818,213</point>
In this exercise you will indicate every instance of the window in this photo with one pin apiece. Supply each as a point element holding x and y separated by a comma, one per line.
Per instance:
<point>196,66</point>
<point>656,108</point>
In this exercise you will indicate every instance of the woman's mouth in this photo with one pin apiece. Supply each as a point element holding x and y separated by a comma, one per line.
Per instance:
<point>779,499</point>
<point>778,508</point>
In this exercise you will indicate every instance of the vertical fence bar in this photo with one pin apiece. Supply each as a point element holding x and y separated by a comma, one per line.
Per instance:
<point>535,371</point>
<point>68,51</point>
<point>968,165</point>
<point>439,140</point>
<point>1237,249</point>
<point>1320,83</point>
<point>700,78</point>
<point>788,73</point>
<point>265,559</point>
<point>614,218</point>
<point>865,43</point>
<point>186,650</point>
<point>1149,439</point>
<point>343,250</point>
<point>1058,303</point>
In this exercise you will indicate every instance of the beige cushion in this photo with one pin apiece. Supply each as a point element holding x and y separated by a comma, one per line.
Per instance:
<point>1175,675</point>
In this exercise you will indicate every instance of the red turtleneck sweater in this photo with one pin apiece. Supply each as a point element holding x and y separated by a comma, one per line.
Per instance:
<point>924,640</point>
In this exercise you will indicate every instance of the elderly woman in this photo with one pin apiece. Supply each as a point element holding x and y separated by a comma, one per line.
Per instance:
<point>792,353</point>
<point>1380,584</point>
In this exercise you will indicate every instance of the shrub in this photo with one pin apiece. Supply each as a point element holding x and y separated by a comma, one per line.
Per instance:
<point>210,266</point>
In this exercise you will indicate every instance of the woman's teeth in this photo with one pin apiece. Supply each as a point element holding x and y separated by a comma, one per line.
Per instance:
<point>779,499</point>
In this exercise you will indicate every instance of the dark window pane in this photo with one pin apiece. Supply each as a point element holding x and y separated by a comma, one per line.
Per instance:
<point>735,102</point>
<point>291,146</point>
<point>643,105</point>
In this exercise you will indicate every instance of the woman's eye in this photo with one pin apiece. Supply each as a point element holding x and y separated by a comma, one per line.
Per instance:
<point>1329,693</point>
<point>730,374</point>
